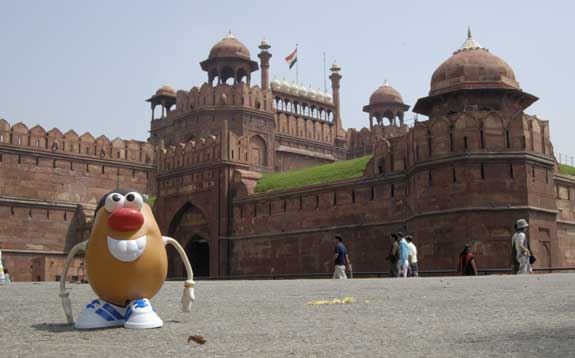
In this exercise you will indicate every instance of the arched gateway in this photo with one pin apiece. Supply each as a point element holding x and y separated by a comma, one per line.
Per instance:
<point>190,228</point>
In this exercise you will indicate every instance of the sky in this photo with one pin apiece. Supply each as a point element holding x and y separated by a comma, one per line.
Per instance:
<point>90,65</point>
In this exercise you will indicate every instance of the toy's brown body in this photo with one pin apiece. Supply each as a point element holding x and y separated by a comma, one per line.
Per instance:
<point>120,282</point>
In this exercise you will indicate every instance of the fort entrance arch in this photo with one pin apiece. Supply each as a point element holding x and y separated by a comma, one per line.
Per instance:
<point>190,228</point>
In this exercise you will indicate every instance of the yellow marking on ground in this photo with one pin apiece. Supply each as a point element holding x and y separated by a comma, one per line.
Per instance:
<point>335,301</point>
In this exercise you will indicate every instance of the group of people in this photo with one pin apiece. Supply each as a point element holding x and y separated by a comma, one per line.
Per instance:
<point>403,256</point>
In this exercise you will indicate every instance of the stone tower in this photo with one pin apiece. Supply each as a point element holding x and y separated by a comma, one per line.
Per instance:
<point>226,125</point>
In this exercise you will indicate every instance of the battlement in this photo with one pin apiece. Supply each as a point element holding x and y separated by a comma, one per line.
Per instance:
<point>362,142</point>
<point>54,141</point>
<point>221,95</point>
<point>185,155</point>
<point>463,133</point>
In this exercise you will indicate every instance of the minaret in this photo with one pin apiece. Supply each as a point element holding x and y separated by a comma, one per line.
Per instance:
<point>265,56</point>
<point>335,77</point>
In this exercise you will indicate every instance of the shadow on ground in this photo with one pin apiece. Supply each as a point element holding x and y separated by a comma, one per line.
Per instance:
<point>54,327</point>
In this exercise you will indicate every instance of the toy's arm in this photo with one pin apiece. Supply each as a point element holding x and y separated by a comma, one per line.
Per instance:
<point>188,295</point>
<point>66,302</point>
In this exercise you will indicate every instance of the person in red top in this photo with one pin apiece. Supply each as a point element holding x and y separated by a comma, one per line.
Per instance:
<point>467,262</point>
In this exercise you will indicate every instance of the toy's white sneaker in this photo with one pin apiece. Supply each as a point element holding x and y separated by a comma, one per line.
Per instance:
<point>100,314</point>
<point>141,315</point>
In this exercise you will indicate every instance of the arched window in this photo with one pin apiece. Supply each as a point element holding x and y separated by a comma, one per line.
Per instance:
<point>258,151</point>
<point>241,75</point>
<point>226,75</point>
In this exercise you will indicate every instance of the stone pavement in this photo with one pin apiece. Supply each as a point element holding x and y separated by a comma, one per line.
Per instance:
<point>493,316</point>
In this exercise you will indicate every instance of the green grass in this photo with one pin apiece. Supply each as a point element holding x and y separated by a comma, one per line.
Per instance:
<point>327,173</point>
<point>566,169</point>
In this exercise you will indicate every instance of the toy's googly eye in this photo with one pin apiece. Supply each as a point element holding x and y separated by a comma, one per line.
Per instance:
<point>134,200</point>
<point>114,201</point>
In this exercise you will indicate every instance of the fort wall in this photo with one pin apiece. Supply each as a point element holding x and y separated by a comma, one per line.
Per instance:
<point>449,181</point>
<point>51,184</point>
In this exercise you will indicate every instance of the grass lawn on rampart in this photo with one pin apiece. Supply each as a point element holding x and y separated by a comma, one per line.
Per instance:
<point>566,169</point>
<point>321,174</point>
<point>329,173</point>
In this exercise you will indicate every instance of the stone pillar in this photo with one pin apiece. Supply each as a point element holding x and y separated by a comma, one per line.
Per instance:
<point>265,56</point>
<point>335,77</point>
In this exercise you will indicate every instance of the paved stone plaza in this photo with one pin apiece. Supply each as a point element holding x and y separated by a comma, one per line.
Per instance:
<point>494,316</point>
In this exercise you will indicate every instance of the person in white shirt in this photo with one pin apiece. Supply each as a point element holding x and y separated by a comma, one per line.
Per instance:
<point>403,261</point>
<point>521,247</point>
<point>412,256</point>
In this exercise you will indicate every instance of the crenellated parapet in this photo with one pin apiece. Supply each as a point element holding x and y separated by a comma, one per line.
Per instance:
<point>221,95</point>
<point>362,142</point>
<point>191,154</point>
<point>54,141</point>
<point>466,133</point>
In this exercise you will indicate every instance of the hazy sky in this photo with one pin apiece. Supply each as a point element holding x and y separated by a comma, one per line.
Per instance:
<point>89,65</point>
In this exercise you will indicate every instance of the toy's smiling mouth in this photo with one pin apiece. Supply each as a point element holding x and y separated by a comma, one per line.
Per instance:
<point>127,250</point>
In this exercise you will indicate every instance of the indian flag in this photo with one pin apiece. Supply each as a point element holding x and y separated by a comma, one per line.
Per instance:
<point>291,59</point>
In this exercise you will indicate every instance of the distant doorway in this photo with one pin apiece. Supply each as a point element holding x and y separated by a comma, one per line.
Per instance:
<point>198,251</point>
<point>190,228</point>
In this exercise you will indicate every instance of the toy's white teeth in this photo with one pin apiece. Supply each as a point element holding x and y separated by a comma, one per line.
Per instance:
<point>127,250</point>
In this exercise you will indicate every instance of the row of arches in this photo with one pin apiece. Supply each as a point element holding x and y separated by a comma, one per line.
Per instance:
<point>303,109</point>
<point>164,109</point>
<point>230,75</point>
<point>394,118</point>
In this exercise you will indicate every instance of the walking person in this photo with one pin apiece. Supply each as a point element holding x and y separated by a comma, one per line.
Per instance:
<point>341,259</point>
<point>514,262</point>
<point>403,260</point>
<point>521,246</point>
<point>393,257</point>
<point>467,265</point>
<point>412,256</point>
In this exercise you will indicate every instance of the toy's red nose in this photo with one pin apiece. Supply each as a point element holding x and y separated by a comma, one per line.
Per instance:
<point>126,219</point>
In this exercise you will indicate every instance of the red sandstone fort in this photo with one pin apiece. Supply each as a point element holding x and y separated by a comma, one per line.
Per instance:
<point>465,175</point>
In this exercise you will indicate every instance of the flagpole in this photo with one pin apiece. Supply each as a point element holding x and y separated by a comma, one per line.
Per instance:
<point>324,80</point>
<point>297,66</point>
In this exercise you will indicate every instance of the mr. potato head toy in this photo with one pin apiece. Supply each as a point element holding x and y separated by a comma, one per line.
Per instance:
<point>126,264</point>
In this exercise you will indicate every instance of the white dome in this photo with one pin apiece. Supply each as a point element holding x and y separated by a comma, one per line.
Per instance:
<point>283,85</point>
<point>302,91</point>
<point>311,93</point>
<point>275,84</point>
<point>317,95</point>
<point>328,97</point>
<point>293,88</point>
